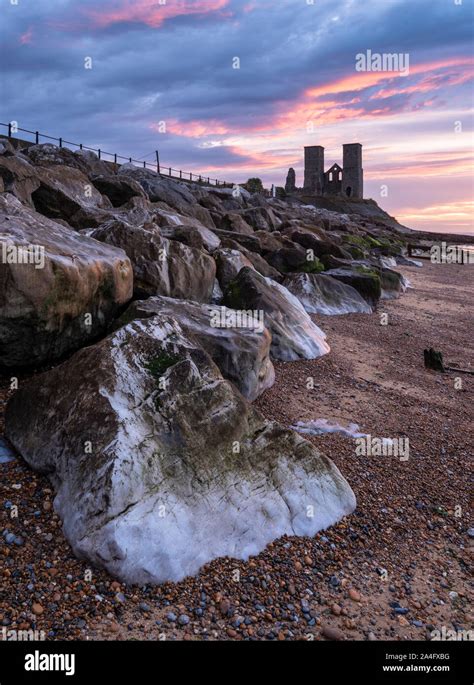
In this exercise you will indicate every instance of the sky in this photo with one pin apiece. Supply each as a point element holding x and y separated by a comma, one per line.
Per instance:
<point>237,88</point>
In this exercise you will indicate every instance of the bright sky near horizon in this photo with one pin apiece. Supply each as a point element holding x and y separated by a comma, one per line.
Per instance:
<point>174,61</point>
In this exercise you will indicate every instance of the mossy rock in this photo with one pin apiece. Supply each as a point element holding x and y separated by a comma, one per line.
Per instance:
<point>159,364</point>
<point>357,252</point>
<point>313,266</point>
<point>366,281</point>
<point>391,280</point>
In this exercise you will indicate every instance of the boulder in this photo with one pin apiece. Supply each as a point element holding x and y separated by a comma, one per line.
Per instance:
<point>260,218</point>
<point>250,242</point>
<point>6,148</point>
<point>19,177</point>
<point>187,235</point>
<point>401,260</point>
<point>58,191</point>
<point>48,155</point>
<point>321,294</point>
<point>161,266</point>
<point>240,346</point>
<point>257,261</point>
<point>393,284</point>
<point>289,259</point>
<point>195,235</point>
<point>319,247</point>
<point>58,289</point>
<point>271,242</point>
<point>160,465</point>
<point>229,263</point>
<point>118,190</point>
<point>366,282</point>
<point>175,194</point>
<point>294,335</point>
<point>232,221</point>
<point>159,188</point>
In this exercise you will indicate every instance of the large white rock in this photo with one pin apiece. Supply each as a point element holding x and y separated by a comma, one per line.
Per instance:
<point>160,465</point>
<point>321,294</point>
<point>294,335</point>
<point>239,347</point>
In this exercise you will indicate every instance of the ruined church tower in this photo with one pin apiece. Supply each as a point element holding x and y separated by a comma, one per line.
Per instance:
<point>348,181</point>
<point>314,169</point>
<point>352,172</point>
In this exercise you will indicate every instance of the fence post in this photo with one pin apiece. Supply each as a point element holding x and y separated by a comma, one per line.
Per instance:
<point>180,173</point>
<point>169,172</point>
<point>60,142</point>
<point>190,177</point>
<point>99,153</point>
<point>115,158</point>
<point>80,146</point>
<point>144,165</point>
<point>9,130</point>
<point>37,136</point>
<point>157,162</point>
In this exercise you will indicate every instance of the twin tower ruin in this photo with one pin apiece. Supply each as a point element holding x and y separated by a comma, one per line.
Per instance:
<point>347,181</point>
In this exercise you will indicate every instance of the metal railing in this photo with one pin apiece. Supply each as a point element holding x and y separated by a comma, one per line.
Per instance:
<point>165,171</point>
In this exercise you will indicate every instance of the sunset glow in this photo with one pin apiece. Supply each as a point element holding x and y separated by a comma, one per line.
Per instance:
<point>237,89</point>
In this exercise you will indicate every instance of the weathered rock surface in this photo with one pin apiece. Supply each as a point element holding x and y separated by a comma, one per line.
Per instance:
<point>195,235</point>
<point>56,191</point>
<point>48,155</point>
<point>67,193</point>
<point>233,221</point>
<point>161,266</point>
<point>294,335</point>
<point>321,294</point>
<point>241,353</point>
<point>366,283</point>
<point>118,190</point>
<point>160,465</point>
<point>393,284</point>
<point>229,263</point>
<point>19,177</point>
<point>55,301</point>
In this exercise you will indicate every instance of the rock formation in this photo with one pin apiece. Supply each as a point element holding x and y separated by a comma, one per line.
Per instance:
<point>180,468</point>
<point>143,420</point>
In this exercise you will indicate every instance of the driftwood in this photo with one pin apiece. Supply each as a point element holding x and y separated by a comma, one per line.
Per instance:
<point>455,368</point>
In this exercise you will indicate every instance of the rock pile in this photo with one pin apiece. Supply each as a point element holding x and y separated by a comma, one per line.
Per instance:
<point>156,307</point>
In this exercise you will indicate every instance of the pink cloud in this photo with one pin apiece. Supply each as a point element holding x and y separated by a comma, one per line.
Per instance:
<point>150,12</point>
<point>194,129</point>
<point>313,105</point>
<point>27,37</point>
